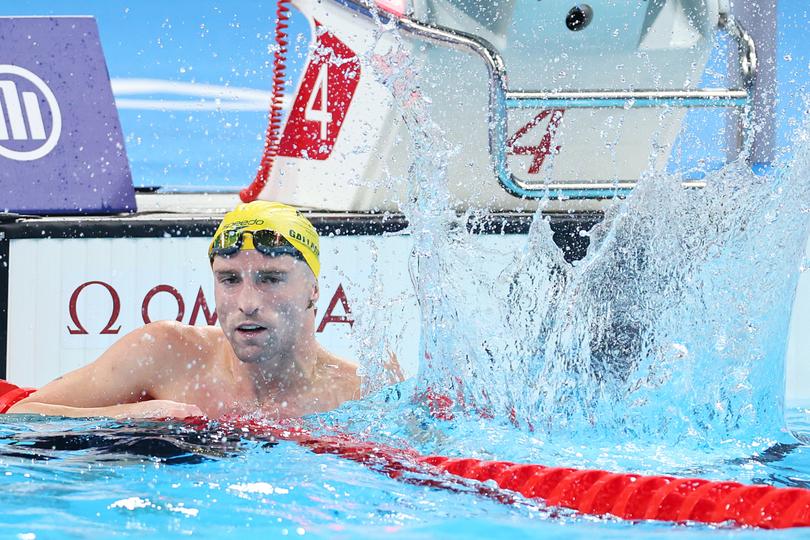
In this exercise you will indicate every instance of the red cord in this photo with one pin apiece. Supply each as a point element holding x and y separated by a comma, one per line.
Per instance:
<point>271,141</point>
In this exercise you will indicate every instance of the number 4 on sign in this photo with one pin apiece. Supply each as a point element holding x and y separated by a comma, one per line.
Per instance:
<point>542,149</point>
<point>320,89</point>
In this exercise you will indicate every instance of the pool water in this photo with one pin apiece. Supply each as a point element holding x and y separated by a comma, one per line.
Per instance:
<point>64,478</point>
<point>660,353</point>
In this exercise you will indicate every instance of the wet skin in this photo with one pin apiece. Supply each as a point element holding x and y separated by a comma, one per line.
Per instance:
<point>263,304</point>
<point>262,358</point>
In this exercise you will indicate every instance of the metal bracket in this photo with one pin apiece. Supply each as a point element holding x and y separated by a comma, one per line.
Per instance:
<point>501,99</point>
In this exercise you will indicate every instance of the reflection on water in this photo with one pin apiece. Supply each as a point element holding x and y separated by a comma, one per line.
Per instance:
<point>161,442</point>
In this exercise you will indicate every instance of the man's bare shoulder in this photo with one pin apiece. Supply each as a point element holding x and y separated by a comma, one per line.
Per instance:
<point>171,339</point>
<point>338,364</point>
<point>177,332</point>
<point>340,371</point>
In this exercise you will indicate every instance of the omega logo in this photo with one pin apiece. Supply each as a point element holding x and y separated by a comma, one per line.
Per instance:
<point>18,108</point>
<point>199,308</point>
<point>74,315</point>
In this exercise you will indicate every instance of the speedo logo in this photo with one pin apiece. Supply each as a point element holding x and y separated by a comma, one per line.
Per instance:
<point>25,133</point>
<point>245,223</point>
<point>306,241</point>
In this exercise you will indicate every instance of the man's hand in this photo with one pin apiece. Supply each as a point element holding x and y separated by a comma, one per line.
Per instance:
<point>158,408</point>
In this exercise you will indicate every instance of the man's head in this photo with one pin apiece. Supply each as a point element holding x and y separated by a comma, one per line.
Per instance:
<point>272,225</point>
<point>264,257</point>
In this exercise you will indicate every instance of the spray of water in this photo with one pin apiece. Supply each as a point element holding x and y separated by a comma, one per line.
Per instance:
<point>673,327</point>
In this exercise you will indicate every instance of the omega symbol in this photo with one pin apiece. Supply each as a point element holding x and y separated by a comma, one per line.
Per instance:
<point>18,108</point>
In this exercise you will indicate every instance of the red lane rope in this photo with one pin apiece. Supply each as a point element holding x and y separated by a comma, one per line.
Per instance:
<point>272,137</point>
<point>588,491</point>
<point>11,394</point>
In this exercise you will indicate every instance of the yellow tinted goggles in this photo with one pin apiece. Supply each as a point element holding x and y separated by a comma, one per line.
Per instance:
<point>265,241</point>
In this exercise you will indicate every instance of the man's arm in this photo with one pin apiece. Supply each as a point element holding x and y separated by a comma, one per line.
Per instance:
<point>121,383</point>
<point>391,374</point>
<point>153,408</point>
<point>392,370</point>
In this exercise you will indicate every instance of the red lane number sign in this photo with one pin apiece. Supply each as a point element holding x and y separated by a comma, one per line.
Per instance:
<point>323,99</point>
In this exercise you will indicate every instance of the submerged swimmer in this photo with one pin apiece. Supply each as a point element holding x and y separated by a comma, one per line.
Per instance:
<point>263,356</point>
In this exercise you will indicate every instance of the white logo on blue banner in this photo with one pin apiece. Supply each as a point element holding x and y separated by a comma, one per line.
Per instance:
<point>18,108</point>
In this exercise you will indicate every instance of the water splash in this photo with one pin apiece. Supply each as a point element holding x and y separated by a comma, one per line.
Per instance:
<point>674,326</point>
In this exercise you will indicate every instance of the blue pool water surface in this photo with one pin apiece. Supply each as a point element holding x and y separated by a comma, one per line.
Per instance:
<point>64,478</point>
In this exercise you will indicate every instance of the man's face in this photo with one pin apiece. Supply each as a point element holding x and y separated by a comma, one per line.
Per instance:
<point>262,302</point>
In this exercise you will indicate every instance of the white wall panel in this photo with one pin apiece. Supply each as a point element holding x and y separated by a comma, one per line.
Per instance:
<point>46,273</point>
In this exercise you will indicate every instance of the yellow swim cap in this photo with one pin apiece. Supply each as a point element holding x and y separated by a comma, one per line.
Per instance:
<point>278,217</point>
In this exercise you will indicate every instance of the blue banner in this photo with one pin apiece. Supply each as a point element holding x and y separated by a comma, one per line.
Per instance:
<point>192,82</point>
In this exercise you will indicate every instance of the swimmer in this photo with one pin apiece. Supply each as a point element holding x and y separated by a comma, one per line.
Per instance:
<point>262,358</point>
